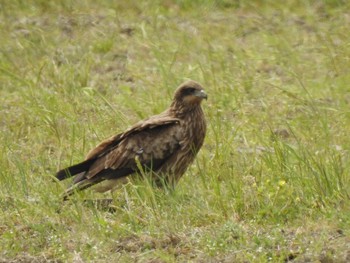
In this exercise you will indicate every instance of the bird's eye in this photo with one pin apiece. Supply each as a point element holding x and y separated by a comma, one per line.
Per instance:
<point>189,91</point>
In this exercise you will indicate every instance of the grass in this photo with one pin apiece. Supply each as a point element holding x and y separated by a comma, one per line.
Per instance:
<point>271,183</point>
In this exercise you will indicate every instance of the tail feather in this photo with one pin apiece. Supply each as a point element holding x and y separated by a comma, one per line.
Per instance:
<point>84,184</point>
<point>73,170</point>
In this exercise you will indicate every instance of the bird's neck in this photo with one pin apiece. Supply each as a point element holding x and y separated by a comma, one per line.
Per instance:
<point>181,110</point>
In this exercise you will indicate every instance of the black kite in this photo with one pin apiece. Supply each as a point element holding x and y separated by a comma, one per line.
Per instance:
<point>165,144</point>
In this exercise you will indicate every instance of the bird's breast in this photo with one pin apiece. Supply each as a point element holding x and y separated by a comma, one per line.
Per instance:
<point>194,130</point>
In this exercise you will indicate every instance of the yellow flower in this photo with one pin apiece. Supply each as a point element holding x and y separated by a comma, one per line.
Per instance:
<point>281,183</point>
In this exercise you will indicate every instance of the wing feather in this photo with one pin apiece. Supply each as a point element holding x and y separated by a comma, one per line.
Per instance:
<point>150,123</point>
<point>150,141</point>
<point>148,147</point>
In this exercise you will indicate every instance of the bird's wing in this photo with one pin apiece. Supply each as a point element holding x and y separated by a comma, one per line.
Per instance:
<point>108,148</point>
<point>112,142</point>
<point>148,143</point>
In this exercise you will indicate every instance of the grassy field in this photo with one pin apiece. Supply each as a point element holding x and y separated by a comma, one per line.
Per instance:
<point>271,183</point>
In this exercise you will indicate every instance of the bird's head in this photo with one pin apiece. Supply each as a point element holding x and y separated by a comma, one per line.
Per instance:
<point>190,93</point>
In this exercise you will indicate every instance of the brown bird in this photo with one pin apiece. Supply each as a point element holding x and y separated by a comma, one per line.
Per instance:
<point>163,145</point>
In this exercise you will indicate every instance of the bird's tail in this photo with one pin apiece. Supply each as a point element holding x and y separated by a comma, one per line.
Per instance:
<point>73,170</point>
<point>83,184</point>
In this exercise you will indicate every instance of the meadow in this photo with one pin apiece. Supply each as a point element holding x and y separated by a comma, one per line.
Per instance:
<point>271,183</point>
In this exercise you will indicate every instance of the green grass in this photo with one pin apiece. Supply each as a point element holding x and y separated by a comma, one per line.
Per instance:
<point>271,183</point>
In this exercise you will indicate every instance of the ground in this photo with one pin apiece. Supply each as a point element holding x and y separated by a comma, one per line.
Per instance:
<point>271,183</point>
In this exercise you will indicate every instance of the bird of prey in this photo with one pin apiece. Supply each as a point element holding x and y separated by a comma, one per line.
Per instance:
<point>163,145</point>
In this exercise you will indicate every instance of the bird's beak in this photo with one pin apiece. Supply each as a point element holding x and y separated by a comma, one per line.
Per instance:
<point>201,94</point>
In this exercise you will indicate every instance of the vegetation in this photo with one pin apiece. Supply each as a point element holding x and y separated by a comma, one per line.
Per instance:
<point>271,183</point>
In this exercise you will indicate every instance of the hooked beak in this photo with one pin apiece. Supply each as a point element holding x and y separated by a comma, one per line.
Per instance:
<point>201,94</point>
